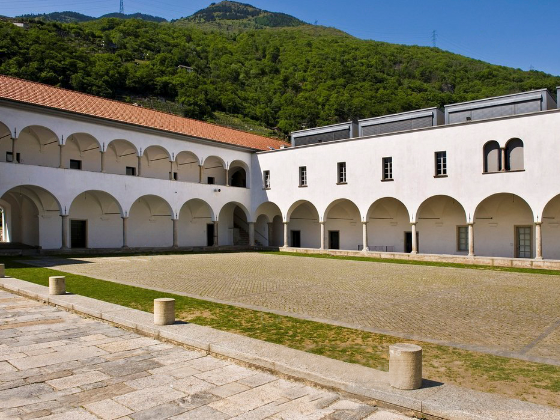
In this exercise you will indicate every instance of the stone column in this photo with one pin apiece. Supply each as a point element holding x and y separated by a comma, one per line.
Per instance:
<point>2,271</point>
<point>171,178</point>
<point>538,232</point>
<point>471,239</point>
<point>414,239</point>
<point>102,162</point>
<point>286,243</point>
<point>125,232</point>
<point>175,233</point>
<point>503,151</point>
<point>200,173</point>
<point>139,172</point>
<point>60,157</point>
<point>216,233</point>
<point>227,177</point>
<point>365,237</point>
<point>270,232</point>
<point>164,311</point>
<point>405,366</point>
<point>14,160</point>
<point>65,229</point>
<point>57,285</point>
<point>251,233</point>
<point>322,235</point>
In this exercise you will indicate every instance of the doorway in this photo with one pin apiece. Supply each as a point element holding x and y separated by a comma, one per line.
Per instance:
<point>78,233</point>
<point>296,238</point>
<point>523,240</point>
<point>334,239</point>
<point>408,242</point>
<point>210,234</point>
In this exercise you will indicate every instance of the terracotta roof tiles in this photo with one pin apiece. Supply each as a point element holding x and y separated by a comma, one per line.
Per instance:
<point>20,90</point>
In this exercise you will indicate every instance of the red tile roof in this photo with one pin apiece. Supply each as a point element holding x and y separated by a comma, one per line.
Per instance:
<point>67,100</point>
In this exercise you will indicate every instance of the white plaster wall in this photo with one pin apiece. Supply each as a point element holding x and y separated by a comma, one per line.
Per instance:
<point>261,230</point>
<point>148,227</point>
<point>193,220</point>
<point>388,220</point>
<point>305,219</point>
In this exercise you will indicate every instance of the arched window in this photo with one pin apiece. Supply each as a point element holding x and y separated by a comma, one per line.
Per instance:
<point>492,156</point>
<point>514,155</point>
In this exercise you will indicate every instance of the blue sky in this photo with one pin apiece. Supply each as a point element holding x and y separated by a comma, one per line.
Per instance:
<point>516,33</point>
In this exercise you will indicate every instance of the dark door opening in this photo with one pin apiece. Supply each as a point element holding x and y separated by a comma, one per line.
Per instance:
<point>334,239</point>
<point>210,234</point>
<point>408,242</point>
<point>78,233</point>
<point>296,238</point>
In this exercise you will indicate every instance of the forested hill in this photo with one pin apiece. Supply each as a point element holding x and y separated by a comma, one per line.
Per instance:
<point>73,17</point>
<point>279,77</point>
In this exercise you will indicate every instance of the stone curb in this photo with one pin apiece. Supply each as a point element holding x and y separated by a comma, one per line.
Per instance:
<point>434,399</point>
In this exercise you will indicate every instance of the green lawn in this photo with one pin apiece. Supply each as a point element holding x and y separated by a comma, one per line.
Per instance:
<point>515,378</point>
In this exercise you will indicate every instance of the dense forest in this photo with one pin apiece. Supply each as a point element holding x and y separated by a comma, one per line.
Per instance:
<point>280,77</point>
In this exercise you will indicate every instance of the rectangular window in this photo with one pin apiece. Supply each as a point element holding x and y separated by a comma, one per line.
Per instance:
<point>462,238</point>
<point>341,178</point>
<point>441,163</point>
<point>266,180</point>
<point>75,164</point>
<point>387,168</point>
<point>174,176</point>
<point>303,176</point>
<point>211,180</point>
<point>131,170</point>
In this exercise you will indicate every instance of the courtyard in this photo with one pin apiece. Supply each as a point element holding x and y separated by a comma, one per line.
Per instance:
<point>505,313</point>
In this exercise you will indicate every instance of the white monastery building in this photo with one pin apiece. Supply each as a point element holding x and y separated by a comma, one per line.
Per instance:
<point>478,178</point>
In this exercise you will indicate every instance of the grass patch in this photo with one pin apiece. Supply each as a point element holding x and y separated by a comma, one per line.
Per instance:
<point>415,262</point>
<point>535,382</point>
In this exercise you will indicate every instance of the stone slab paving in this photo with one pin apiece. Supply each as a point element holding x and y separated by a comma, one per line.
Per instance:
<point>514,314</point>
<point>57,365</point>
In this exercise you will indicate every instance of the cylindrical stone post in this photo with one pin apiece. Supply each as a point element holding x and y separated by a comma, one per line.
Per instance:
<point>164,311</point>
<point>322,235</point>
<point>2,271</point>
<point>57,285</point>
<point>405,366</point>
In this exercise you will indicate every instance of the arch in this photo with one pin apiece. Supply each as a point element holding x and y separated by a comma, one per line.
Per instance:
<point>5,142</point>
<point>551,229</point>
<point>150,222</point>
<point>83,148</point>
<point>121,158</point>
<point>388,222</point>
<point>268,208</point>
<point>187,167</point>
<point>266,231</point>
<point>496,220</point>
<point>195,216</point>
<point>155,163</point>
<point>303,217</point>
<point>514,155</point>
<point>233,224</point>
<point>34,213</point>
<point>239,174</point>
<point>101,213</point>
<point>343,227</point>
<point>214,170</point>
<point>441,226</point>
<point>492,157</point>
<point>38,145</point>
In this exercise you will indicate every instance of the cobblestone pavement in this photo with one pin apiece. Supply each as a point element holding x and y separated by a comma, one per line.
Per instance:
<point>504,311</point>
<point>57,365</point>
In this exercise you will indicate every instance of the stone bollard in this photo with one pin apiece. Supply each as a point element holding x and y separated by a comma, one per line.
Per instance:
<point>405,366</point>
<point>164,311</point>
<point>57,285</point>
<point>2,271</point>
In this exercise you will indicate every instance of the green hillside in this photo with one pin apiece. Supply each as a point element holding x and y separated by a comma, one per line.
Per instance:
<point>281,78</point>
<point>73,17</point>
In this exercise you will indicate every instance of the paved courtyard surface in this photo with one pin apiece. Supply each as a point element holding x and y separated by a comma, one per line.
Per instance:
<point>489,310</point>
<point>57,365</point>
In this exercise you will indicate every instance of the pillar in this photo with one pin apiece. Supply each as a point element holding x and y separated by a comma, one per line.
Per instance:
<point>227,177</point>
<point>503,151</point>
<point>102,161</point>
<point>175,233</point>
<point>286,243</point>
<point>60,157</point>
<point>414,239</point>
<point>2,271</point>
<point>57,285</point>
<point>139,172</point>
<point>14,160</point>
<point>405,366</point>
<point>251,233</point>
<point>322,235</point>
<point>65,229</point>
<point>270,226</point>
<point>125,232</point>
<point>171,170</point>
<point>365,237</point>
<point>538,232</point>
<point>200,173</point>
<point>164,311</point>
<point>216,233</point>
<point>471,239</point>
